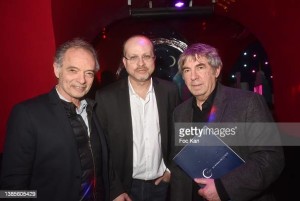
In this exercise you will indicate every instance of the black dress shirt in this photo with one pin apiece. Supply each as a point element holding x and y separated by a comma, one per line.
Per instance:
<point>204,116</point>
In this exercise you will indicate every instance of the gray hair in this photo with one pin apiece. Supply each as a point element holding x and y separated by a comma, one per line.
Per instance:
<point>200,49</point>
<point>74,43</point>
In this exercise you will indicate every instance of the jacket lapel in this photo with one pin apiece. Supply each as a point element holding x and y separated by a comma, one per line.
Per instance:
<point>161,103</point>
<point>219,105</point>
<point>60,114</point>
<point>125,114</point>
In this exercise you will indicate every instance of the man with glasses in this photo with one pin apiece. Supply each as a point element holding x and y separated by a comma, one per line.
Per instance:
<point>135,113</point>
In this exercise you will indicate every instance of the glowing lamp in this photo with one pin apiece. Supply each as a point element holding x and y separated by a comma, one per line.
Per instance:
<point>179,4</point>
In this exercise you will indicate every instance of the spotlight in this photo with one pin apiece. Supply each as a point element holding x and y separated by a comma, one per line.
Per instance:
<point>182,3</point>
<point>171,12</point>
<point>177,8</point>
<point>179,4</point>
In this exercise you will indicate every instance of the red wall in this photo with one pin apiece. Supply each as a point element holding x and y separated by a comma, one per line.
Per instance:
<point>30,32</point>
<point>26,49</point>
<point>76,18</point>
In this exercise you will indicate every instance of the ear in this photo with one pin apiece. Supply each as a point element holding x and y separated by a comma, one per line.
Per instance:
<point>56,70</point>
<point>124,62</point>
<point>217,71</point>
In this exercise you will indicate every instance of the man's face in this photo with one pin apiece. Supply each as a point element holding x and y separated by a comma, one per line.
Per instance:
<point>140,59</point>
<point>199,77</point>
<point>76,75</point>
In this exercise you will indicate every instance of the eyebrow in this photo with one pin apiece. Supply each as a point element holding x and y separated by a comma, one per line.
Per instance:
<point>71,67</point>
<point>74,67</point>
<point>184,67</point>
<point>201,64</point>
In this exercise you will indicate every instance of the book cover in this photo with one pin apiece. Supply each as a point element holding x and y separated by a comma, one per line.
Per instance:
<point>201,159</point>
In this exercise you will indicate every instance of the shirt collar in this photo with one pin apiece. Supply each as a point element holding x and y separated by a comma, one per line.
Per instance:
<point>132,92</point>
<point>208,102</point>
<point>83,103</point>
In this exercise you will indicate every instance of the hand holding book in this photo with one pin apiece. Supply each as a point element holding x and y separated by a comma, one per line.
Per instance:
<point>209,158</point>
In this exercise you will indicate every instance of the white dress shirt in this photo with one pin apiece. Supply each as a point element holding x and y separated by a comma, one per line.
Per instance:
<point>148,163</point>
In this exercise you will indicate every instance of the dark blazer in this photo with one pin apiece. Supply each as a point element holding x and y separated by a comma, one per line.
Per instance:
<point>40,151</point>
<point>113,110</point>
<point>263,164</point>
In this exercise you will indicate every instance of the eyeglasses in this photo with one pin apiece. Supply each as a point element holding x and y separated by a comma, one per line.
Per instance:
<point>135,59</point>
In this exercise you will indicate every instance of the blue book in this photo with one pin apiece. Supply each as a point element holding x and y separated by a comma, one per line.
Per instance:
<point>210,157</point>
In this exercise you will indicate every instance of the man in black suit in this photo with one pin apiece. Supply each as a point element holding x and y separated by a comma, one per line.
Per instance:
<point>136,113</point>
<point>200,66</point>
<point>54,144</point>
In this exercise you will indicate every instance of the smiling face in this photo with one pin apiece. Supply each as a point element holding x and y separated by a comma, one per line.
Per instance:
<point>76,75</point>
<point>139,59</point>
<point>200,77</point>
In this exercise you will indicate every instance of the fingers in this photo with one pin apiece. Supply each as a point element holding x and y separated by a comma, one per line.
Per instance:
<point>127,198</point>
<point>157,181</point>
<point>166,177</point>
<point>200,181</point>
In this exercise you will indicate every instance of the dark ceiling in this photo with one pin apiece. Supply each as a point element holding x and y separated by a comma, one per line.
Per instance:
<point>206,23</point>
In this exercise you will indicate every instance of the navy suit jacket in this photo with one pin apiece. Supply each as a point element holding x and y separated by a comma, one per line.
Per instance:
<point>40,151</point>
<point>113,110</point>
<point>263,163</point>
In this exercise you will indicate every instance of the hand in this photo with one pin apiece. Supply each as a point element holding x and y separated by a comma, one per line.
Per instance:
<point>209,191</point>
<point>122,197</point>
<point>166,178</point>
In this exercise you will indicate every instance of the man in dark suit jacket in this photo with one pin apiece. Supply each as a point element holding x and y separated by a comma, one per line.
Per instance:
<point>200,66</point>
<point>54,144</point>
<point>136,113</point>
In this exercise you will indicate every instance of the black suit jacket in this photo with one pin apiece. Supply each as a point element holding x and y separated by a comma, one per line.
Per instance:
<point>40,151</point>
<point>263,163</point>
<point>113,110</point>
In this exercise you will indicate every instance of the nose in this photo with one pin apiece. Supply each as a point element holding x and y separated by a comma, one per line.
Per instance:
<point>194,75</point>
<point>81,78</point>
<point>141,61</point>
